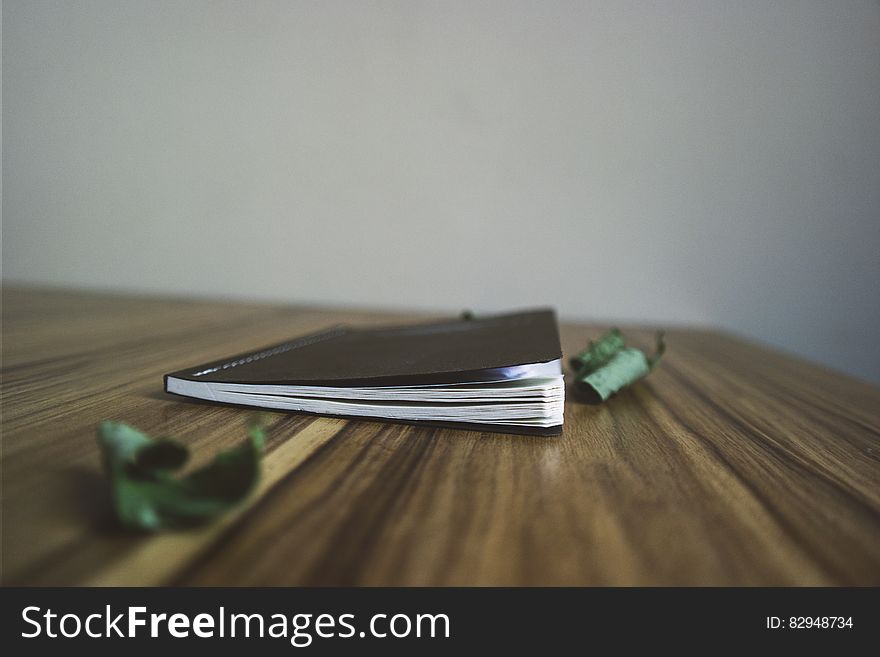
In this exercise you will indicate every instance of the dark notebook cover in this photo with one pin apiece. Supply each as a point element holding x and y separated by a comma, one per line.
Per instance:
<point>438,352</point>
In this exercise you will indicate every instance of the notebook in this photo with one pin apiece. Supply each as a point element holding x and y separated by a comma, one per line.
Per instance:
<point>494,373</point>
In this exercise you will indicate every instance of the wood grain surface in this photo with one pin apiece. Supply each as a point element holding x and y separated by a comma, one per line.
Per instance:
<point>730,465</point>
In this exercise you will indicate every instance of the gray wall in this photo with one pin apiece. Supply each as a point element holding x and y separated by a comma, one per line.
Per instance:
<point>673,162</point>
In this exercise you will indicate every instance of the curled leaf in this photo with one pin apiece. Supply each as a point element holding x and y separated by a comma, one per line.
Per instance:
<point>659,351</point>
<point>147,496</point>
<point>608,366</point>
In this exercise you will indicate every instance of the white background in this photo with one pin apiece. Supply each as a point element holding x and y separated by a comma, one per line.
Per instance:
<point>708,162</point>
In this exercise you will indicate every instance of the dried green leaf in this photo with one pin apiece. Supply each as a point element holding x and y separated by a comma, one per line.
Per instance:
<point>624,366</point>
<point>659,351</point>
<point>147,496</point>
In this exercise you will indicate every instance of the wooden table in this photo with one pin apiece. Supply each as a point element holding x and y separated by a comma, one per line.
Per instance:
<point>730,464</point>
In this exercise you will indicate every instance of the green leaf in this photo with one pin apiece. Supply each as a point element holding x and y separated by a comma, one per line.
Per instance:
<point>659,351</point>
<point>146,495</point>
<point>608,366</point>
